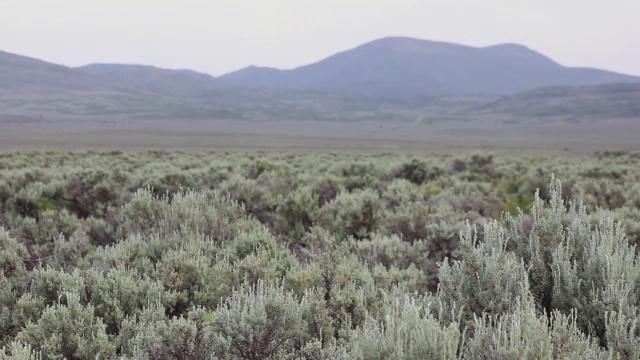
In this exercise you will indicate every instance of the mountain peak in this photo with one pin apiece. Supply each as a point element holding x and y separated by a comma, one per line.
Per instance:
<point>406,67</point>
<point>511,49</point>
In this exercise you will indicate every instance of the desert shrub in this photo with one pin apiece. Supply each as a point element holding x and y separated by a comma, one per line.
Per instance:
<point>417,171</point>
<point>393,251</point>
<point>7,311</point>
<point>515,195</point>
<point>348,286</point>
<point>184,274</point>
<point>487,279</point>
<point>480,167</point>
<point>407,331</point>
<point>38,235</point>
<point>258,167</point>
<point>359,214</point>
<point>401,191</point>
<point>297,213</point>
<point>596,279</point>
<point>90,193</point>
<point>214,216</point>
<point>70,253</point>
<point>151,335</point>
<point>172,182</point>
<point>136,253</point>
<point>575,267</point>
<point>262,322</point>
<point>395,261</point>
<point>604,194</point>
<point>623,334</point>
<point>119,294</point>
<point>12,254</point>
<point>26,201</point>
<point>278,182</point>
<point>257,200</point>
<point>358,175</point>
<point>323,256</point>
<point>473,199</point>
<point>328,187</point>
<point>5,195</point>
<point>69,330</point>
<point>26,309</point>
<point>103,231</point>
<point>527,334</point>
<point>436,228</point>
<point>539,183</point>
<point>19,351</point>
<point>55,286</point>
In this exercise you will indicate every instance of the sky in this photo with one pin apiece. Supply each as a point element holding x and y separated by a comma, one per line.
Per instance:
<point>219,36</point>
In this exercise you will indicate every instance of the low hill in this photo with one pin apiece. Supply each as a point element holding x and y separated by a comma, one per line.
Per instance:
<point>181,83</point>
<point>25,75</point>
<point>404,67</point>
<point>34,90</point>
<point>620,100</point>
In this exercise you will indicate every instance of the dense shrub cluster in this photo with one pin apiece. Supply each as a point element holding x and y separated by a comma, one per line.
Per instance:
<point>171,255</point>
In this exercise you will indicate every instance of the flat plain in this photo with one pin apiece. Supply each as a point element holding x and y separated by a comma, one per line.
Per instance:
<point>290,135</point>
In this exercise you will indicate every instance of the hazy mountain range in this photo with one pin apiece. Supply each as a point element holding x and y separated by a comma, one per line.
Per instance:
<point>387,79</point>
<point>405,67</point>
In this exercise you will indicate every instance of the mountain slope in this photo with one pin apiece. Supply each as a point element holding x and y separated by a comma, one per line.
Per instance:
<point>405,67</point>
<point>21,74</point>
<point>34,90</point>
<point>597,101</point>
<point>182,83</point>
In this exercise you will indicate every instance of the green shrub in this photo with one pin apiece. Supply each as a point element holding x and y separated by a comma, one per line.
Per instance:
<point>12,254</point>
<point>407,331</point>
<point>418,172</point>
<point>69,330</point>
<point>297,213</point>
<point>359,214</point>
<point>262,322</point>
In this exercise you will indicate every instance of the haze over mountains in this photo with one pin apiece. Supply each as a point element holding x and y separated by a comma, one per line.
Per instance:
<point>405,67</point>
<point>387,79</point>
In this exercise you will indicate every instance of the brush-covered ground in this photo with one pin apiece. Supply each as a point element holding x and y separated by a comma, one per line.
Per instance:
<point>237,255</point>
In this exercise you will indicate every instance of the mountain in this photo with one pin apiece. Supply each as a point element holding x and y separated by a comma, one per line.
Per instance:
<point>182,83</point>
<point>387,80</point>
<point>34,90</point>
<point>21,74</point>
<point>404,67</point>
<point>575,102</point>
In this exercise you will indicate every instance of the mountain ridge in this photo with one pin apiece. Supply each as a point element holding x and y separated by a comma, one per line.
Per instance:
<point>408,67</point>
<point>35,89</point>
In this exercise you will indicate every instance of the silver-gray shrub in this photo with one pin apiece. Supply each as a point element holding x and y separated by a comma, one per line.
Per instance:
<point>259,323</point>
<point>406,329</point>
<point>297,212</point>
<point>69,330</point>
<point>359,214</point>
<point>559,268</point>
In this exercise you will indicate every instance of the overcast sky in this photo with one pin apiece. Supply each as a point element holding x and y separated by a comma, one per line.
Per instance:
<point>218,36</point>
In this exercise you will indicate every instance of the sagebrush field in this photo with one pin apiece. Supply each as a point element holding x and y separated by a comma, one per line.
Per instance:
<point>238,255</point>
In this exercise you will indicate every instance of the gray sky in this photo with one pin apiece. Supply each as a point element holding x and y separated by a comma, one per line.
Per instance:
<point>218,36</point>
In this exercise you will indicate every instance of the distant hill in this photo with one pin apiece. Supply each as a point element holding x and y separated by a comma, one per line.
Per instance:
<point>33,90</point>
<point>404,67</point>
<point>21,74</point>
<point>597,101</point>
<point>182,83</point>
<point>393,79</point>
